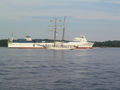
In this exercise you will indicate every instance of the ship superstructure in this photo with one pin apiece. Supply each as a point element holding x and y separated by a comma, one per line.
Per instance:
<point>80,43</point>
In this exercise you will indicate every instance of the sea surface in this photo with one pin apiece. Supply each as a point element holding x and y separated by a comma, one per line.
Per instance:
<point>29,69</point>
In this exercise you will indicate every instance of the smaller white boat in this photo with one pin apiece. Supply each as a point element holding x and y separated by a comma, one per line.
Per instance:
<point>60,48</point>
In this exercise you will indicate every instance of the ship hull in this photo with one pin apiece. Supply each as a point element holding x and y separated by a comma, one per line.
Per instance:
<point>48,45</point>
<point>60,48</point>
<point>84,47</point>
<point>26,46</point>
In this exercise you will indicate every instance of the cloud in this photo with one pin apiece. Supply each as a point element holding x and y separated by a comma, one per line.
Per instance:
<point>80,15</point>
<point>16,9</point>
<point>100,1</point>
<point>97,15</point>
<point>114,2</point>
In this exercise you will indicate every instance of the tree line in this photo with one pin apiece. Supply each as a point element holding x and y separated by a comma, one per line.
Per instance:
<point>109,43</point>
<point>3,43</point>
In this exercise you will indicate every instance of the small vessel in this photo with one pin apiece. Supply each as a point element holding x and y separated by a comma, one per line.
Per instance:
<point>60,48</point>
<point>59,45</point>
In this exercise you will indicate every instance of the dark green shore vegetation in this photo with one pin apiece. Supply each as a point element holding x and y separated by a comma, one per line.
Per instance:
<point>109,43</point>
<point>3,43</point>
<point>115,43</point>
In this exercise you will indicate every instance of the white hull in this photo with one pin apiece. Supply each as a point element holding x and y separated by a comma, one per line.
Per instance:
<point>25,45</point>
<point>49,46</point>
<point>59,48</point>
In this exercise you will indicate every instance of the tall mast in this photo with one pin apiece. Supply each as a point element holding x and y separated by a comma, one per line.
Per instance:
<point>55,30</point>
<point>63,35</point>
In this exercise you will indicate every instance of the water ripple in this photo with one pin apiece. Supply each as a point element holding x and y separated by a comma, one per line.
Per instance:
<point>95,69</point>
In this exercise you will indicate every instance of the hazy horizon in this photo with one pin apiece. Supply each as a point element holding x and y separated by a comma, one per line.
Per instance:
<point>98,20</point>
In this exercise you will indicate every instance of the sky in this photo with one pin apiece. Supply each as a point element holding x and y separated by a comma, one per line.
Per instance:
<point>98,20</point>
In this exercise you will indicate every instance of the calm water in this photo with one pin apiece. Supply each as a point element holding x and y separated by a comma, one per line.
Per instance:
<point>95,69</point>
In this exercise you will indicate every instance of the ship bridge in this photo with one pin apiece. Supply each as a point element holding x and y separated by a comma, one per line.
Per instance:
<point>82,38</point>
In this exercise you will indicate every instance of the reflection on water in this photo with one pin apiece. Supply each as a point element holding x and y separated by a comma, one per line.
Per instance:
<point>94,69</point>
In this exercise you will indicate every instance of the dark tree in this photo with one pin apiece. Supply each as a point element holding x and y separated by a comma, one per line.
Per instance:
<point>4,43</point>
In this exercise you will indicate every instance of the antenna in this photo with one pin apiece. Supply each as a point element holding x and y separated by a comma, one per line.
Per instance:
<point>11,38</point>
<point>12,34</point>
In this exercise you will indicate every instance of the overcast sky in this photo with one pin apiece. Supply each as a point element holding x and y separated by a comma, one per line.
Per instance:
<point>99,20</point>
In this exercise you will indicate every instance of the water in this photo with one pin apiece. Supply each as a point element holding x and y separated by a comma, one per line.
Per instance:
<point>94,69</point>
